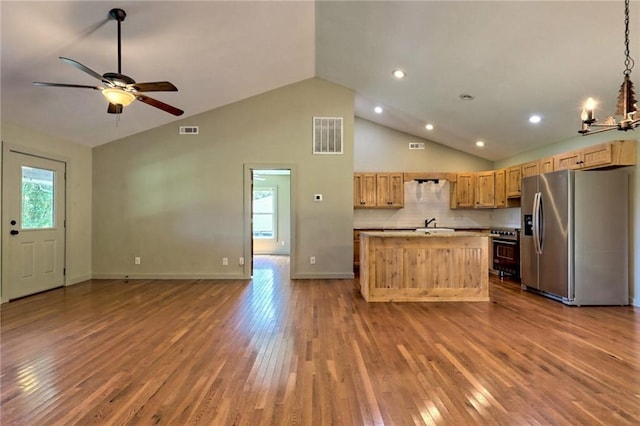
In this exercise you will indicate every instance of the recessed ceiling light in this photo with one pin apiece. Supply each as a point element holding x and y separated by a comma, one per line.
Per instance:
<point>535,119</point>
<point>466,97</point>
<point>399,74</point>
<point>429,127</point>
<point>479,144</point>
<point>378,110</point>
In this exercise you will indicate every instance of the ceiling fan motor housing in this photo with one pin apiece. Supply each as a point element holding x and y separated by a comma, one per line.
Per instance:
<point>118,14</point>
<point>118,79</point>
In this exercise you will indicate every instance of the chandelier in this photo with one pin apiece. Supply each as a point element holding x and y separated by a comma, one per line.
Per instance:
<point>626,107</point>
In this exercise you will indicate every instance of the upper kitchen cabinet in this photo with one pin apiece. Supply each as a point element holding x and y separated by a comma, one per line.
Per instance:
<point>485,189</point>
<point>501,188</point>
<point>378,190</point>
<point>390,190</point>
<point>364,190</point>
<point>514,175</point>
<point>610,154</point>
<point>462,194</point>
<point>531,168</point>
<point>547,165</point>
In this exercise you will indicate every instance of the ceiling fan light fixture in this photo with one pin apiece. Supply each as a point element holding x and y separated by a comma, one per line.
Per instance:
<point>118,96</point>
<point>627,106</point>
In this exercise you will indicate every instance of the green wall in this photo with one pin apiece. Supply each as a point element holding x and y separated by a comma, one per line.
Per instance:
<point>381,149</point>
<point>179,202</point>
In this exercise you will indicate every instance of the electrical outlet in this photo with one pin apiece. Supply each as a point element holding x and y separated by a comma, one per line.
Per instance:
<point>312,260</point>
<point>282,243</point>
<point>136,260</point>
<point>241,261</point>
<point>225,261</point>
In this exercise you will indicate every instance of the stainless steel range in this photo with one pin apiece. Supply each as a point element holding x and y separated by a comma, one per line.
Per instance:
<point>506,251</point>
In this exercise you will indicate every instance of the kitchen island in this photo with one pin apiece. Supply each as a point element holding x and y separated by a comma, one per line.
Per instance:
<point>407,266</point>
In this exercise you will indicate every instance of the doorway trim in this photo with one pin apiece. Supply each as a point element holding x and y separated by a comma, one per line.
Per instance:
<point>248,202</point>
<point>4,202</point>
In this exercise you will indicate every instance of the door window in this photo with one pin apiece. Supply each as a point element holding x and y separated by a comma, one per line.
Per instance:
<point>37,198</point>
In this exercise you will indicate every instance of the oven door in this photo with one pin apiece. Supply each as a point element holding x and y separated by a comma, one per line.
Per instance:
<point>506,256</point>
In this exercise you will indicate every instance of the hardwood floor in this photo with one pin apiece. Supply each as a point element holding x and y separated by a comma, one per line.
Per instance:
<point>279,352</point>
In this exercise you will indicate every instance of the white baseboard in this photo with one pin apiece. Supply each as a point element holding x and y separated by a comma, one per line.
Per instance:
<point>325,276</point>
<point>168,276</point>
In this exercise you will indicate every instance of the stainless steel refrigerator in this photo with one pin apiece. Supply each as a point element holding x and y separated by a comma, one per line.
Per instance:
<point>574,236</point>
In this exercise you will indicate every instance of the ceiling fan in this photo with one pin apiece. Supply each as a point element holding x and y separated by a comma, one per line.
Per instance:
<point>119,89</point>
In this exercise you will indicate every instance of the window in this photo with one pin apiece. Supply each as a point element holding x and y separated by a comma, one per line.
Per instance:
<point>264,213</point>
<point>37,198</point>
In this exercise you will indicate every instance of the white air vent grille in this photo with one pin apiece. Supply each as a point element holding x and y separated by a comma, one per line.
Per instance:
<point>416,145</point>
<point>189,130</point>
<point>327,135</point>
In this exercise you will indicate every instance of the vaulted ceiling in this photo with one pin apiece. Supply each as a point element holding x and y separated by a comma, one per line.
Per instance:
<point>515,58</point>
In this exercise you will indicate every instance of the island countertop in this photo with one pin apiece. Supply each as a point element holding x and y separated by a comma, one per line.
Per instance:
<point>416,234</point>
<point>409,266</point>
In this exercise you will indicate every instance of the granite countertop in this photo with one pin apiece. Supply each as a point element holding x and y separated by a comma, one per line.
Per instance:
<point>413,234</point>
<point>411,228</point>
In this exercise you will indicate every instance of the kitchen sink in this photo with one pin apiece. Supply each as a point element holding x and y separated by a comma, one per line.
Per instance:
<point>435,230</point>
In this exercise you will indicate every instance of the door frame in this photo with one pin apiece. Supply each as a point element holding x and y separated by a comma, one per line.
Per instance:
<point>248,211</point>
<point>4,201</point>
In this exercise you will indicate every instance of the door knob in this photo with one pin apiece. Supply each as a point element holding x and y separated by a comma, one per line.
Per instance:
<point>14,232</point>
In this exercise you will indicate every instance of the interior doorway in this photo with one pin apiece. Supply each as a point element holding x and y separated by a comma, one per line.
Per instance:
<point>271,211</point>
<point>269,214</point>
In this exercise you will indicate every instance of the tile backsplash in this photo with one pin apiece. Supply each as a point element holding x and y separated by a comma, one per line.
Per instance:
<point>428,200</point>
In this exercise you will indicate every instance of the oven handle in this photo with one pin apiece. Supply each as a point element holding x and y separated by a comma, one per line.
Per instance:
<point>512,243</point>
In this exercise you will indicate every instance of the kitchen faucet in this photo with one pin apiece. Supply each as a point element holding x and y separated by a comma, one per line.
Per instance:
<point>428,221</point>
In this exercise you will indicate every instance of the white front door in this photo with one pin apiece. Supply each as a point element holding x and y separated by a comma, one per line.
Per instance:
<point>35,202</point>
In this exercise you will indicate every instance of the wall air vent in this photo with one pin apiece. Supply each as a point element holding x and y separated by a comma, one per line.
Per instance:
<point>416,145</point>
<point>327,135</point>
<point>189,130</point>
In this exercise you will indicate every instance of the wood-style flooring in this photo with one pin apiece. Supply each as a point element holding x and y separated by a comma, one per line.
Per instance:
<point>272,351</point>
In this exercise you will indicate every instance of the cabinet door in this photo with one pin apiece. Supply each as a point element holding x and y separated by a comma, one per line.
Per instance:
<point>546,165</point>
<point>530,169</point>
<point>364,190</point>
<point>599,155</point>
<point>464,190</point>
<point>513,182</point>
<point>485,194</point>
<point>501,188</point>
<point>390,190</point>
<point>568,160</point>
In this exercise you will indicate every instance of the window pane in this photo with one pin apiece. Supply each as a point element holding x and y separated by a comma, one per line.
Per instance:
<point>37,198</point>
<point>264,213</point>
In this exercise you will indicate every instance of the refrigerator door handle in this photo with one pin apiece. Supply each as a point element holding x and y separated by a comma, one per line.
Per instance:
<point>540,223</point>
<point>536,222</point>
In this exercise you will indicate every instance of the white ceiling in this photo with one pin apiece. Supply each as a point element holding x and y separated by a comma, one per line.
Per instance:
<point>515,57</point>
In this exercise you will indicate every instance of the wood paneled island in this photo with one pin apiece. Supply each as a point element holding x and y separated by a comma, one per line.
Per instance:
<point>424,267</point>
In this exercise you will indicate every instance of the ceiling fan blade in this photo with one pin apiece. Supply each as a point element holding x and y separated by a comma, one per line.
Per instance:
<point>155,86</point>
<point>160,105</point>
<point>79,86</point>
<point>114,109</point>
<point>84,68</point>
